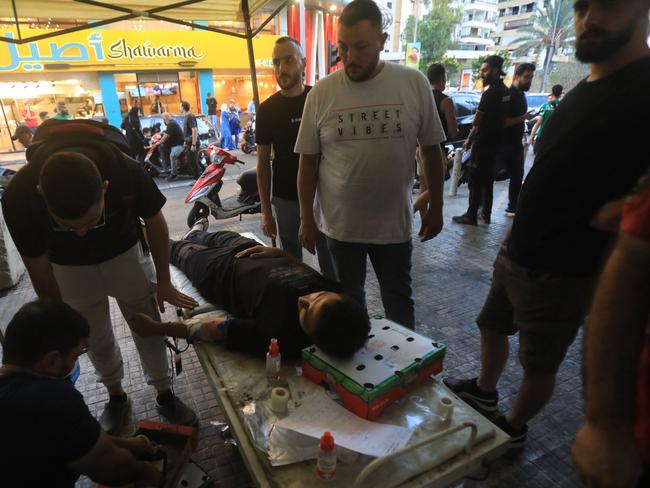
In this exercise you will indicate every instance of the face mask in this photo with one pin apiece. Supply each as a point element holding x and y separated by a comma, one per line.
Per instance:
<point>74,373</point>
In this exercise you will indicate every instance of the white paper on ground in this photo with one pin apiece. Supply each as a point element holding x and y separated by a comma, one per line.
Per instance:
<point>319,413</point>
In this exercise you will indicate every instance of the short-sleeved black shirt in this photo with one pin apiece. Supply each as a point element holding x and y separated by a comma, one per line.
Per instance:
<point>261,293</point>
<point>189,123</point>
<point>493,107</point>
<point>268,290</point>
<point>578,168</point>
<point>516,107</point>
<point>176,137</point>
<point>277,124</point>
<point>131,193</point>
<point>211,102</point>
<point>44,425</point>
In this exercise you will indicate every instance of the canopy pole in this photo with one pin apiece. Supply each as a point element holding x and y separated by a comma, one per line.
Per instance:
<point>2,106</point>
<point>251,52</point>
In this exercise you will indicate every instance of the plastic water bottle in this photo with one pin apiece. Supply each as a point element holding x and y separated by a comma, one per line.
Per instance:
<point>326,461</point>
<point>273,364</point>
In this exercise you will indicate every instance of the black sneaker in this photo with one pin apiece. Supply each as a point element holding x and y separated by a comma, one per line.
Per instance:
<point>176,412</point>
<point>467,390</point>
<point>517,437</point>
<point>114,418</point>
<point>464,219</point>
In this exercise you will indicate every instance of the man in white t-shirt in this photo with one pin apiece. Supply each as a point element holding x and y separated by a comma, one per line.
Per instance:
<point>357,143</point>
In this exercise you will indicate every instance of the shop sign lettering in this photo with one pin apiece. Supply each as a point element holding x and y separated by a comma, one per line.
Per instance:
<point>122,50</point>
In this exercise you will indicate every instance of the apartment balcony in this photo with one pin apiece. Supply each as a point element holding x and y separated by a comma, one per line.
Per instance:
<point>479,24</point>
<point>475,40</point>
<point>463,54</point>
<point>480,6</point>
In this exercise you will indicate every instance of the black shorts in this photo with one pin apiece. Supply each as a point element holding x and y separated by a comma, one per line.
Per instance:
<point>546,308</point>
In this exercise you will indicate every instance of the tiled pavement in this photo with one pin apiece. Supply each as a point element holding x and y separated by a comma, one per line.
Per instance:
<point>451,276</point>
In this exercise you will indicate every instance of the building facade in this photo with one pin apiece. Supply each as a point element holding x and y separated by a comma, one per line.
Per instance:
<point>514,15</point>
<point>474,36</point>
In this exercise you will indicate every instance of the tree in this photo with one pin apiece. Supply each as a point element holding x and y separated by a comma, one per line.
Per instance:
<point>434,31</point>
<point>452,67</point>
<point>552,29</point>
<point>568,74</point>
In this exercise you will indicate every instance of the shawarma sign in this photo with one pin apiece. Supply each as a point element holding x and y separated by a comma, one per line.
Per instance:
<point>113,50</point>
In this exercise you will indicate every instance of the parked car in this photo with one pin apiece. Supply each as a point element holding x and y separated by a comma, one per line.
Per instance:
<point>535,102</point>
<point>207,134</point>
<point>466,104</point>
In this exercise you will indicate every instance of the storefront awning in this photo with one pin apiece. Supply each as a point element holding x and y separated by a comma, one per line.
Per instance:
<point>64,9</point>
<point>192,13</point>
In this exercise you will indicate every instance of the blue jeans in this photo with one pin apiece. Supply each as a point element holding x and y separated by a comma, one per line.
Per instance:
<point>392,265</point>
<point>174,154</point>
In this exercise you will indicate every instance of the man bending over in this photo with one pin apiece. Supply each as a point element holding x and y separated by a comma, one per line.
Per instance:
<point>269,294</point>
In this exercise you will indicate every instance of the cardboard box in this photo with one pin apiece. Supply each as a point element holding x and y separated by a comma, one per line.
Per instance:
<point>394,361</point>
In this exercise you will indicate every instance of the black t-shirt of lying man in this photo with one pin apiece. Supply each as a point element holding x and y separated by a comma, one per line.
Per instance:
<point>262,294</point>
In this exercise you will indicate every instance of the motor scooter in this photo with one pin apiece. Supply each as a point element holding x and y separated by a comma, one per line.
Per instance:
<point>248,144</point>
<point>184,165</point>
<point>204,195</point>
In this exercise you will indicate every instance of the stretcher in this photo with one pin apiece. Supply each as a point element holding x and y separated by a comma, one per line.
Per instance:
<point>437,455</point>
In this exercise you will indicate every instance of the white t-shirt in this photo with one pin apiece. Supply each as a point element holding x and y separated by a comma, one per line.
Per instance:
<point>366,133</point>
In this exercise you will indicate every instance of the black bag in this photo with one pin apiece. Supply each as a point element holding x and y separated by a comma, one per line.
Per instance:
<point>59,135</point>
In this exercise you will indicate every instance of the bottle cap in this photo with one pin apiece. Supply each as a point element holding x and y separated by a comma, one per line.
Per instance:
<point>327,442</point>
<point>274,348</point>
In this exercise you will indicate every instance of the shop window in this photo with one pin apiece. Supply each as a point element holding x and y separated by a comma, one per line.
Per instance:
<point>24,102</point>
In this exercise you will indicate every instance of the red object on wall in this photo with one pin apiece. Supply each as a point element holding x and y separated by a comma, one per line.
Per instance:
<point>330,34</point>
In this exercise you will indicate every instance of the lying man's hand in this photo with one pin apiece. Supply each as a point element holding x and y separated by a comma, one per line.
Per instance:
<point>261,252</point>
<point>167,293</point>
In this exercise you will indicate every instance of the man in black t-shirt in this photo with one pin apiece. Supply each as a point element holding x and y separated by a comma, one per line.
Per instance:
<point>49,435</point>
<point>277,124</point>
<point>191,132</point>
<point>73,212</point>
<point>269,293</point>
<point>211,102</point>
<point>173,145</point>
<point>512,148</point>
<point>545,272</point>
<point>485,141</point>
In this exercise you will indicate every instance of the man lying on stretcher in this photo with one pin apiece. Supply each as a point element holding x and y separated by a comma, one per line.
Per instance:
<point>269,294</point>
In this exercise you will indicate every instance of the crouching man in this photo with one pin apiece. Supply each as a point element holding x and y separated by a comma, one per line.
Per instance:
<point>269,293</point>
<point>50,435</point>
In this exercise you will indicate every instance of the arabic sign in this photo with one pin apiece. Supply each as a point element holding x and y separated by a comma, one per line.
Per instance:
<point>113,50</point>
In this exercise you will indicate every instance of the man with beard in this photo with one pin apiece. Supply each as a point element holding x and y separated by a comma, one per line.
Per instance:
<point>485,141</point>
<point>278,121</point>
<point>544,273</point>
<point>512,148</point>
<point>53,437</point>
<point>357,143</point>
